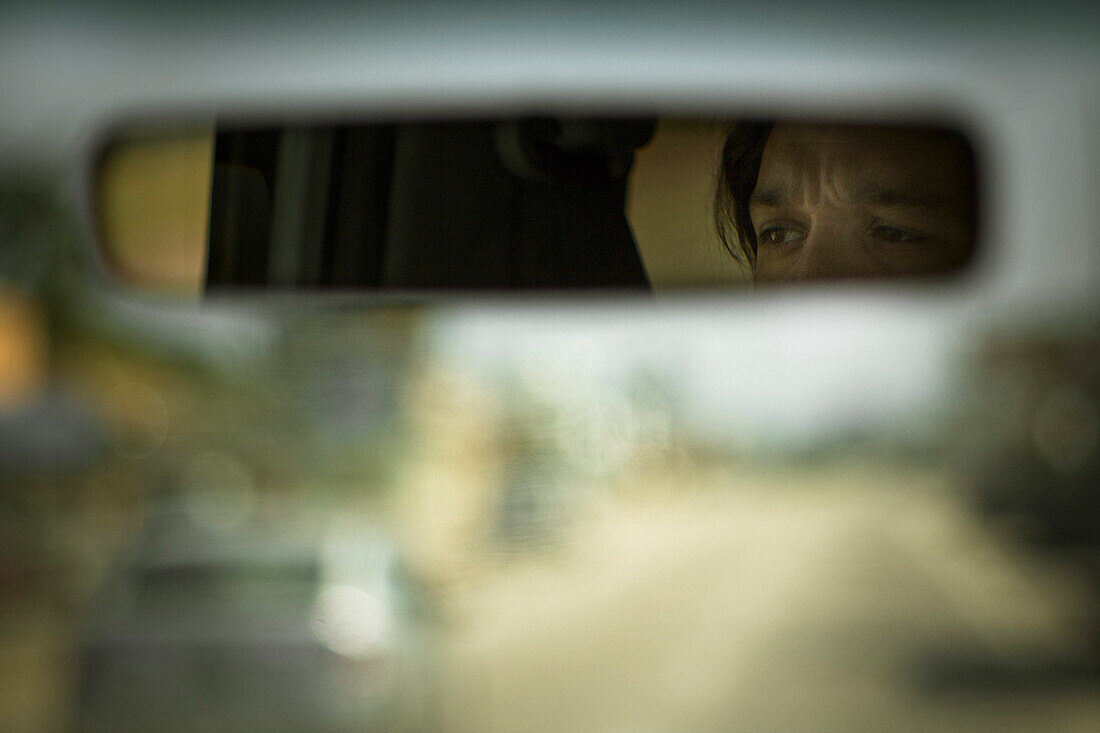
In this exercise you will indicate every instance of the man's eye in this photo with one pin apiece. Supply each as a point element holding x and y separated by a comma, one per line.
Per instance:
<point>892,235</point>
<point>779,235</point>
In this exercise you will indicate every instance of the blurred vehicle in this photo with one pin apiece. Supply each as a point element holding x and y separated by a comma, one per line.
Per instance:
<point>255,628</point>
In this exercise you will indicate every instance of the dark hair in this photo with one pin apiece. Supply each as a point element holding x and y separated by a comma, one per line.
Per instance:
<point>739,168</point>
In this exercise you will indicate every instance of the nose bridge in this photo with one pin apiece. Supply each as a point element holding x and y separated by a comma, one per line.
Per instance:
<point>814,259</point>
<point>825,252</point>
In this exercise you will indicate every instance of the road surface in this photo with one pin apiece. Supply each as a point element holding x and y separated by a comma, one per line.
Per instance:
<point>838,607</point>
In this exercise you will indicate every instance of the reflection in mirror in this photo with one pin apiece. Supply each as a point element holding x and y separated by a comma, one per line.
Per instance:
<point>805,201</point>
<point>153,202</point>
<point>544,203</point>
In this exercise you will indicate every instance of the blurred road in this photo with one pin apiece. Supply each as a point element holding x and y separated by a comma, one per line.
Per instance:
<point>846,601</point>
<point>762,607</point>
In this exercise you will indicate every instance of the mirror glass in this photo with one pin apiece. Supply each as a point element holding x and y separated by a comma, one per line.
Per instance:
<point>539,202</point>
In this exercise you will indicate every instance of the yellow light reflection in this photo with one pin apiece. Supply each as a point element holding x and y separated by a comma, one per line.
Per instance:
<point>154,211</point>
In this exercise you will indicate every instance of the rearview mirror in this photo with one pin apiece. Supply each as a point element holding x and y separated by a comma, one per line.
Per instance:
<point>543,203</point>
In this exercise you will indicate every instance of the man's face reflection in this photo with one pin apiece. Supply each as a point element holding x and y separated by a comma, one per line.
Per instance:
<point>835,201</point>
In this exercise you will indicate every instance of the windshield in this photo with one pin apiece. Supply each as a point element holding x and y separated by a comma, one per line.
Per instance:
<point>610,515</point>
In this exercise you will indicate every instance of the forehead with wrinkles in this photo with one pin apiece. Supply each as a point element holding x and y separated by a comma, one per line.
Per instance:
<point>839,162</point>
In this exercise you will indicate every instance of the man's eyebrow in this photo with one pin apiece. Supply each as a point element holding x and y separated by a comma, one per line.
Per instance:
<point>874,196</point>
<point>777,195</point>
<point>771,196</point>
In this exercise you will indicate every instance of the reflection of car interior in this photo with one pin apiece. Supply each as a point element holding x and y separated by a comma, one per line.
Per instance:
<point>531,202</point>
